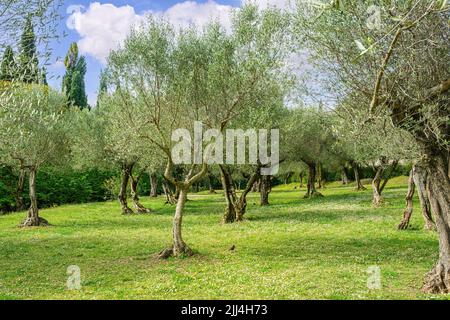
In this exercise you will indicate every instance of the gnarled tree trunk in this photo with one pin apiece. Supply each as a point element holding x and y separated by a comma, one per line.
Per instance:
<point>126,173</point>
<point>409,203</point>
<point>420,180</point>
<point>210,184</point>
<point>177,194</point>
<point>378,184</point>
<point>320,183</point>
<point>257,185</point>
<point>241,205</point>
<point>179,247</point>
<point>436,162</point>
<point>236,206</point>
<point>170,197</point>
<point>376,187</point>
<point>301,175</point>
<point>265,190</point>
<point>229,215</point>
<point>153,185</point>
<point>344,176</point>
<point>438,186</point>
<point>359,185</point>
<point>311,187</point>
<point>135,196</point>
<point>287,177</point>
<point>33,219</point>
<point>20,206</point>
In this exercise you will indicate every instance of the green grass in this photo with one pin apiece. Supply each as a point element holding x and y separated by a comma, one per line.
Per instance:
<point>293,249</point>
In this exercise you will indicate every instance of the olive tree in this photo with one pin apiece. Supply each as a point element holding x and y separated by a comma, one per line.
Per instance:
<point>99,140</point>
<point>308,138</point>
<point>33,132</point>
<point>290,168</point>
<point>134,155</point>
<point>417,180</point>
<point>343,147</point>
<point>170,82</point>
<point>27,26</point>
<point>377,144</point>
<point>266,112</point>
<point>397,63</point>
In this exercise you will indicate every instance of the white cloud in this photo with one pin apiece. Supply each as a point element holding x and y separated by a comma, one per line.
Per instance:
<point>192,13</point>
<point>102,27</point>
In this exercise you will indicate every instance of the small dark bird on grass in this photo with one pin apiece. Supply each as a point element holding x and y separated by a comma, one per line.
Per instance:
<point>232,247</point>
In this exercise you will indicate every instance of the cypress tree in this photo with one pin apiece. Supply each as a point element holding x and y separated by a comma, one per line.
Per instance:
<point>70,63</point>
<point>73,85</point>
<point>28,59</point>
<point>8,65</point>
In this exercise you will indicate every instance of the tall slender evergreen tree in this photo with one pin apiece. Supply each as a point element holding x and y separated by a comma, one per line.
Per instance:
<point>73,85</point>
<point>28,58</point>
<point>8,65</point>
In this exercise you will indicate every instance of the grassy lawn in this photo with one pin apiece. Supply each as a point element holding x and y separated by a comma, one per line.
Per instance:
<point>293,249</point>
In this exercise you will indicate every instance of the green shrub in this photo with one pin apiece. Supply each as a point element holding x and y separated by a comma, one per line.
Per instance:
<point>57,186</point>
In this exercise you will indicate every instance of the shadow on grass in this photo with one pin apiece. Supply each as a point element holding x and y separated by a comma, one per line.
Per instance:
<point>390,249</point>
<point>310,216</point>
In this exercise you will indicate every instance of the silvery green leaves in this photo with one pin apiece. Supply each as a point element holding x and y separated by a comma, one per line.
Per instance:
<point>168,80</point>
<point>34,117</point>
<point>162,80</point>
<point>44,16</point>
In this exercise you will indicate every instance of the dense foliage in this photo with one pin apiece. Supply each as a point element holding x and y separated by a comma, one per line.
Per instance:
<point>73,84</point>
<point>386,112</point>
<point>56,187</point>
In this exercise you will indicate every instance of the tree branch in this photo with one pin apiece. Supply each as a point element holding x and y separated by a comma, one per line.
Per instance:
<point>441,88</point>
<point>375,99</point>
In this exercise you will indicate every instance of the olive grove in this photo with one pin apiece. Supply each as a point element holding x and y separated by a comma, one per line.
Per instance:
<point>175,104</point>
<point>169,80</point>
<point>397,67</point>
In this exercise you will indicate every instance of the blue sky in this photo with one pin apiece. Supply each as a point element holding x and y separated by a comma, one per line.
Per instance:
<point>98,26</point>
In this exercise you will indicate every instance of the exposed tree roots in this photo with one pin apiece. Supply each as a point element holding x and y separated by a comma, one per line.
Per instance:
<point>34,222</point>
<point>314,194</point>
<point>144,211</point>
<point>140,209</point>
<point>403,225</point>
<point>437,280</point>
<point>183,251</point>
<point>127,211</point>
